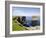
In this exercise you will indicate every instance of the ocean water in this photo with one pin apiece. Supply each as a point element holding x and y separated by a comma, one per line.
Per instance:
<point>29,22</point>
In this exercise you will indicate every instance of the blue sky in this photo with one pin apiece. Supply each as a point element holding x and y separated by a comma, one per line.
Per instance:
<point>25,11</point>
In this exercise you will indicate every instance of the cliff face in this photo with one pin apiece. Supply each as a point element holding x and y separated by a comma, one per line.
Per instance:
<point>20,19</point>
<point>35,21</point>
<point>35,17</point>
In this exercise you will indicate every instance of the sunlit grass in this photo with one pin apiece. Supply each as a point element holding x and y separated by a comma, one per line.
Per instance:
<point>16,26</point>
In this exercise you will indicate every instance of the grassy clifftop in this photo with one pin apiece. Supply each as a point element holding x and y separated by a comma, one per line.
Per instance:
<point>16,26</point>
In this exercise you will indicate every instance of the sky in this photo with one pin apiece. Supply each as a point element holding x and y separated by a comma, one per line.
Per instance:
<point>25,11</point>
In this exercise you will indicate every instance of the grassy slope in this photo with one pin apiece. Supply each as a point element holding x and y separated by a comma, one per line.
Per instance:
<point>17,26</point>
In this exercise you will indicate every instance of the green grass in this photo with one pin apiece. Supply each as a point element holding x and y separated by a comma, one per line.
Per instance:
<point>16,26</point>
